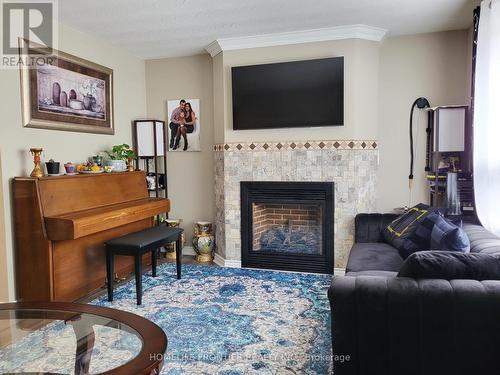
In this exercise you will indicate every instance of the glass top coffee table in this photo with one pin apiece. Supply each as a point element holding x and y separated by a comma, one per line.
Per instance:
<point>70,338</point>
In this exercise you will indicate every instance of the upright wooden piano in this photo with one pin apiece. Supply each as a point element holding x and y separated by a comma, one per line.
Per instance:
<point>61,224</point>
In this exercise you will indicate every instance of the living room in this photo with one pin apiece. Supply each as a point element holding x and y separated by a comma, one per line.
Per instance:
<point>275,165</point>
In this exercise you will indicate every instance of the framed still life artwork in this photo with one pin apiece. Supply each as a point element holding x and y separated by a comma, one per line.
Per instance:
<point>184,124</point>
<point>65,92</point>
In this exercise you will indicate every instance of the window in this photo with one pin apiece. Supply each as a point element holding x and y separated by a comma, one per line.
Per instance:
<point>487,117</point>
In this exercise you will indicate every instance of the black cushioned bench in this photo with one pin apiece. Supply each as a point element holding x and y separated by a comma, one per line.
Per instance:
<point>137,244</point>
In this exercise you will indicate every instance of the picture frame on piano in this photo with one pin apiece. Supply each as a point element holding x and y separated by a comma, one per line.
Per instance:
<point>65,92</point>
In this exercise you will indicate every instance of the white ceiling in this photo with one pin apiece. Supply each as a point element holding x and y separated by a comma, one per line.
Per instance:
<point>166,28</point>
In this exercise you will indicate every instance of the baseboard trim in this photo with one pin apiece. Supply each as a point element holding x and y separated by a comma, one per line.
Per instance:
<point>339,271</point>
<point>219,260</point>
<point>231,263</point>
<point>188,250</point>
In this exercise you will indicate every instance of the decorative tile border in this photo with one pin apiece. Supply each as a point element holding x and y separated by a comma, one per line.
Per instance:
<point>299,145</point>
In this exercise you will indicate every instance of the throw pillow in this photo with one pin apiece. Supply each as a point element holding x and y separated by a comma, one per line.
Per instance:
<point>399,233</point>
<point>435,232</point>
<point>449,265</point>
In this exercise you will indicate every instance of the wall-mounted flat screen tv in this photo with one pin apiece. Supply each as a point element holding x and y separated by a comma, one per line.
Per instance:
<point>289,95</point>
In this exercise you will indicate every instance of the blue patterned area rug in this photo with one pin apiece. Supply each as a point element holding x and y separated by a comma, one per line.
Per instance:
<point>229,321</point>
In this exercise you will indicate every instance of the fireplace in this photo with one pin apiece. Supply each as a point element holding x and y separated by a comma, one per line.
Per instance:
<point>287,226</point>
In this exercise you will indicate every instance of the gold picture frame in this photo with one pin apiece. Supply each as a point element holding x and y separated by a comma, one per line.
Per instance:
<point>65,92</point>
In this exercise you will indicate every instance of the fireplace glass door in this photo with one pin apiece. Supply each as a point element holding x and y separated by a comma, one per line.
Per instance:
<point>287,225</point>
<point>287,228</point>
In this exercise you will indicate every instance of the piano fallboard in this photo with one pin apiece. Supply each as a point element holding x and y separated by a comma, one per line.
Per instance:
<point>83,223</point>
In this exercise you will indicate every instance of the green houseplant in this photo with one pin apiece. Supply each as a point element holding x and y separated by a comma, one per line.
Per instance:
<point>119,156</point>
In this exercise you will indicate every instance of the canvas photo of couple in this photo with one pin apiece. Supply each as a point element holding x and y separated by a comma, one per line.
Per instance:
<point>184,124</point>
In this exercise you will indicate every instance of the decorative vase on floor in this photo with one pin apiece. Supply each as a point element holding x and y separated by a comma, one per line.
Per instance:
<point>170,254</point>
<point>203,242</point>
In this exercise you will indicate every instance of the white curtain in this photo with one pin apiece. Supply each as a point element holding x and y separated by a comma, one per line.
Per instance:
<point>487,117</point>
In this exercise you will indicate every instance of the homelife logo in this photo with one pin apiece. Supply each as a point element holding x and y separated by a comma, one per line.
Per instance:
<point>23,22</point>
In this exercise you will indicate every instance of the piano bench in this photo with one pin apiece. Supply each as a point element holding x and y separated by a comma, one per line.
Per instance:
<point>137,244</point>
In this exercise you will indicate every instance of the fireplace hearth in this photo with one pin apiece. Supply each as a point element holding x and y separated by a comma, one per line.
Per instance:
<point>287,225</point>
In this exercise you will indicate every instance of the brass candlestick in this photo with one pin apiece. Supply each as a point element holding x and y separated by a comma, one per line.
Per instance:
<point>37,171</point>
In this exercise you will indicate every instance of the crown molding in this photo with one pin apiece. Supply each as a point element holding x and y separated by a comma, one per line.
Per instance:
<point>214,48</point>
<point>296,37</point>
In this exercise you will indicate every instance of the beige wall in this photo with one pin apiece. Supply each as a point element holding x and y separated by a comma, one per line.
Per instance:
<point>361,60</point>
<point>190,174</point>
<point>129,104</point>
<point>431,65</point>
<point>4,282</point>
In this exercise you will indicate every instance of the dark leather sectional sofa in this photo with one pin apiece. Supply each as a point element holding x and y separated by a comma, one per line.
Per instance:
<point>383,324</point>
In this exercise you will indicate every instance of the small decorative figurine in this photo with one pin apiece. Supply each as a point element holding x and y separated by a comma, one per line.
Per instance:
<point>37,171</point>
<point>97,159</point>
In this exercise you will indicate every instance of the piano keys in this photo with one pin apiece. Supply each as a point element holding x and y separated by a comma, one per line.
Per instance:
<point>61,224</point>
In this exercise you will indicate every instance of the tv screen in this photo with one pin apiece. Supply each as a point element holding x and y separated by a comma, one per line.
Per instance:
<point>289,95</point>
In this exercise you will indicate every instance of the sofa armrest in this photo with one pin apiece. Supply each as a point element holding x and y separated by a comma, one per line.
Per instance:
<point>369,227</point>
<point>406,326</point>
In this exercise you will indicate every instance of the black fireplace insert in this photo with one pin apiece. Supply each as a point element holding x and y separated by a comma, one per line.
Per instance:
<point>287,226</point>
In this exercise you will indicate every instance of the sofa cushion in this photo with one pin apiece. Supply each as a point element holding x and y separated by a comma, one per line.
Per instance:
<point>399,233</point>
<point>374,256</point>
<point>435,232</point>
<point>387,274</point>
<point>481,240</point>
<point>451,265</point>
<point>369,227</point>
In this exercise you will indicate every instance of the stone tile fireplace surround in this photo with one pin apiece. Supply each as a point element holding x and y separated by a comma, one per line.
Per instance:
<point>351,164</point>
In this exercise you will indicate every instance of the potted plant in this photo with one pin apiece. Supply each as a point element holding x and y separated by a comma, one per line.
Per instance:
<point>120,157</point>
<point>52,167</point>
